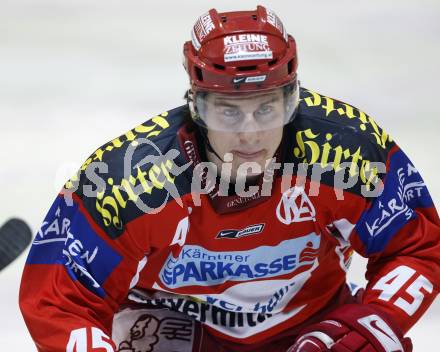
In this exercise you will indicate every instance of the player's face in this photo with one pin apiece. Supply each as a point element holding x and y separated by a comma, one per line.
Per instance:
<point>249,127</point>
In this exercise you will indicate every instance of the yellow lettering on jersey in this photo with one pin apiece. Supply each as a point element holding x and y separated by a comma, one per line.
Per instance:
<point>129,190</point>
<point>330,105</point>
<point>151,128</point>
<point>309,151</point>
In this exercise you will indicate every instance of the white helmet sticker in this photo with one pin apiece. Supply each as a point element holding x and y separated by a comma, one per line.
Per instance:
<point>201,29</point>
<point>275,21</point>
<point>241,47</point>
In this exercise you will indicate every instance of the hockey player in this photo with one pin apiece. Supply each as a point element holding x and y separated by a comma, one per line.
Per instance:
<point>228,224</point>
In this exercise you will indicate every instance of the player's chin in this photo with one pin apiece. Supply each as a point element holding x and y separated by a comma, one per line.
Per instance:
<point>249,156</point>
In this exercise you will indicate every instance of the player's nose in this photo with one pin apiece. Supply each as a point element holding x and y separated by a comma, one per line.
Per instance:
<point>249,132</point>
<point>249,137</point>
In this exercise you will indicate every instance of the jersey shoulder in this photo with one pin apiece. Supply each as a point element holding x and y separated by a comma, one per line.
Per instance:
<point>325,112</point>
<point>335,135</point>
<point>133,173</point>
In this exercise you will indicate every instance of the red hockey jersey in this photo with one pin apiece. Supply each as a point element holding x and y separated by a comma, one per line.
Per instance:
<point>138,222</point>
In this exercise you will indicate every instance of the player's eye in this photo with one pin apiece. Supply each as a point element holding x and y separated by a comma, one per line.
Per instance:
<point>265,113</point>
<point>229,115</point>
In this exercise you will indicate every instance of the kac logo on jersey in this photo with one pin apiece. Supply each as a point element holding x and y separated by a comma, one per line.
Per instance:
<point>247,231</point>
<point>295,206</point>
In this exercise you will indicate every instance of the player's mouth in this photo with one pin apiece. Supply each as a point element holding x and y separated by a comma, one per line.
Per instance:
<point>249,155</point>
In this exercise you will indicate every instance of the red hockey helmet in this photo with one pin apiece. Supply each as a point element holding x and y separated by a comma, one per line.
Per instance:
<point>237,54</point>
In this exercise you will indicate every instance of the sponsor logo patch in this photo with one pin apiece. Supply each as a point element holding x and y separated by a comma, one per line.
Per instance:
<point>195,265</point>
<point>143,330</point>
<point>201,29</point>
<point>233,323</point>
<point>239,80</point>
<point>275,21</point>
<point>396,206</point>
<point>252,79</point>
<point>255,79</point>
<point>67,238</point>
<point>404,191</point>
<point>247,231</point>
<point>204,26</point>
<point>240,47</point>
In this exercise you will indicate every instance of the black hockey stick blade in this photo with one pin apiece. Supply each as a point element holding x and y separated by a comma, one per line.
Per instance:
<point>15,236</point>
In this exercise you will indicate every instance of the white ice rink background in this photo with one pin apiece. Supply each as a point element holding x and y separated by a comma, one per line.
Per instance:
<point>74,74</point>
